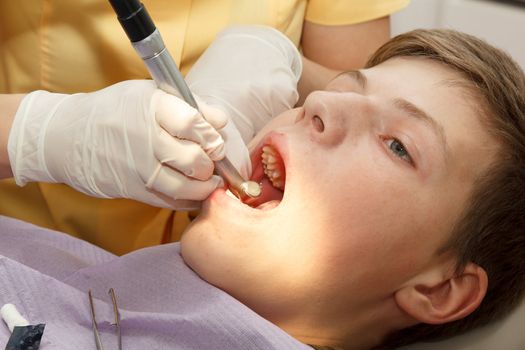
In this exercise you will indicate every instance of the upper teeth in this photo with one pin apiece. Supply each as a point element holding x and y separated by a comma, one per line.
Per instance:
<point>270,165</point>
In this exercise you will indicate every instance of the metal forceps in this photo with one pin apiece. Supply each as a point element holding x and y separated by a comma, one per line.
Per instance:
<point>98,341</point>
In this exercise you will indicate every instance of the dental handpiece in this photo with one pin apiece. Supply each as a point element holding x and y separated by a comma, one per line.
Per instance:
<point>148,43</point>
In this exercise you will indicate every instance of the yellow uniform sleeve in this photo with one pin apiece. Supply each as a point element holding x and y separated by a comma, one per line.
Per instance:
<point>340,12</point>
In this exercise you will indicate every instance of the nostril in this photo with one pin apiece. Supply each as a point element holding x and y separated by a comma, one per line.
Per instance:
<point>318,123</point>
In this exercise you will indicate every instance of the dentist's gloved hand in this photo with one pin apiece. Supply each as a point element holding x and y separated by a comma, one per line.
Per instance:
<point>251,72</point>
<point>130,140</point>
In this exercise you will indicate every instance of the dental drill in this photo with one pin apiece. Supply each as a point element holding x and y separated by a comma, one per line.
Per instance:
<point>148,43</point>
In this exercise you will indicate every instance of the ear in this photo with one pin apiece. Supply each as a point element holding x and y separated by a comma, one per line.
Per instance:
<point>435,298</point>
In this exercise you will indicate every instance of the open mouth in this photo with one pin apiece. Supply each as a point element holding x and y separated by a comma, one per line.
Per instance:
<point>269,171</point>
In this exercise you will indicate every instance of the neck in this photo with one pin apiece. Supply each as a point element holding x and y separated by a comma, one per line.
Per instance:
<point>357,328</point>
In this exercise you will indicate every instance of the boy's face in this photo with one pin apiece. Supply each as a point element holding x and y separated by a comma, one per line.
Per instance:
<point>377,173</point>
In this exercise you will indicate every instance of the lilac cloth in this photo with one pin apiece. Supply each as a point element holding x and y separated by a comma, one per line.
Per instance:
<point>163,304</point>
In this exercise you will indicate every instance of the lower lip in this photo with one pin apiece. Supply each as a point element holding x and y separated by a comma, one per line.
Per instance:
<point>219,198</point>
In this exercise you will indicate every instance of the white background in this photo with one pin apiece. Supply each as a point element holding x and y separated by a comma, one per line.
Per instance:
<point>498,22</point>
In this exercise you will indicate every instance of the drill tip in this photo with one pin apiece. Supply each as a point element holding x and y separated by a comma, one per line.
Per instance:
<point>251,189</point>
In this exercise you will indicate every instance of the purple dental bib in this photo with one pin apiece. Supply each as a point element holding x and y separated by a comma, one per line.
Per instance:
<point>163,304</point>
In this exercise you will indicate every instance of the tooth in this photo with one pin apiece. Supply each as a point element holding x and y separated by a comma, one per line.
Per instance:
<point>269,159</point>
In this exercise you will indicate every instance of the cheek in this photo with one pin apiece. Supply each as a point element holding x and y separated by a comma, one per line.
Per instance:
<point>367,223</point>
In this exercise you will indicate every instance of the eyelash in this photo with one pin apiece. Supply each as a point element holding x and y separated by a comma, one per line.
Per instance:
<point>401,148</point>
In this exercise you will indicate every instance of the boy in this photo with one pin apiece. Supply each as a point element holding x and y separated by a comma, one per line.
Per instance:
<point>393,201</point>
<point>392,212</point>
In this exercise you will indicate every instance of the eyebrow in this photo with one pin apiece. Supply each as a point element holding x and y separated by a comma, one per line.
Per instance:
<point>408,107</point>
<point>415,112</point>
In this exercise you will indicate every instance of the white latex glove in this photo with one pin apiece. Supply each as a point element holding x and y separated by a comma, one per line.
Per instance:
<point>251,72</point>
<point>129,140</point>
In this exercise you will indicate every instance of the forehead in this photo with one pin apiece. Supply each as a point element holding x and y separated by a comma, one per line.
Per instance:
<point>422,79</point>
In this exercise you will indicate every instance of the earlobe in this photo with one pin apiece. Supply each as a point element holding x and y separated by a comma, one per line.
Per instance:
<point>434,298</point>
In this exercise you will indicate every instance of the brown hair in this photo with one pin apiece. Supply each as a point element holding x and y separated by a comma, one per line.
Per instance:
<point>491,231</point>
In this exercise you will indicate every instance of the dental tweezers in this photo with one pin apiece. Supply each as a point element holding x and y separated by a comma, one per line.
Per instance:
<point>98,341</point>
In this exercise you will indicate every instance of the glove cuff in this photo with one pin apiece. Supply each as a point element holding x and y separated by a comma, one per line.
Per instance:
<point>26,140</point>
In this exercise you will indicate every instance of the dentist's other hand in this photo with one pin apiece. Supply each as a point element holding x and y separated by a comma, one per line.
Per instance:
<point>251,92</point>
<point>130,140</point>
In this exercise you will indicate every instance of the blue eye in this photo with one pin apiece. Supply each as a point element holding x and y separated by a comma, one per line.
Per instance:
<point>399,150</point>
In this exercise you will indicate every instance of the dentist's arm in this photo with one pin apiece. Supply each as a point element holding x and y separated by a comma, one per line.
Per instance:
<point>314,77</point>
<point>329,50</point>
<point>344,47</point>
<point>8,106</point>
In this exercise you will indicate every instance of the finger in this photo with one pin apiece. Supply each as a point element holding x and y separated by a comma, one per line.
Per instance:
<point>184,122</point>
<point>213,114</point>
<point>177,186</point>
<point>185,156</point>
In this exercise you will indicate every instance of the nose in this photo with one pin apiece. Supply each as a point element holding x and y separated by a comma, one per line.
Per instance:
<point>332,116</point>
